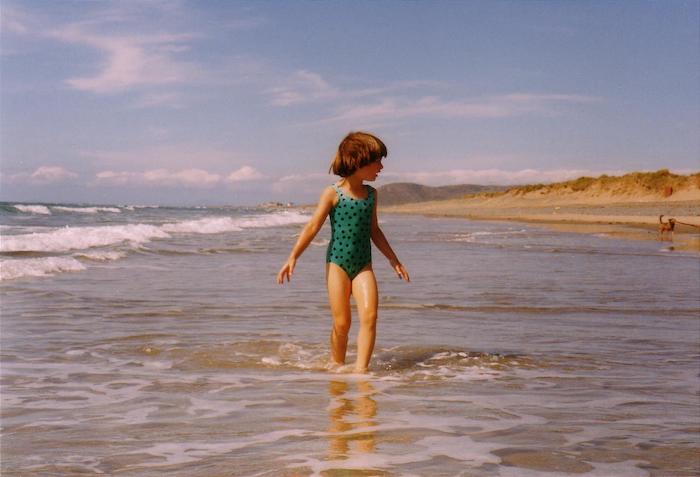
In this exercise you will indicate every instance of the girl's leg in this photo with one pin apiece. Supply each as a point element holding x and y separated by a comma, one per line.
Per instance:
<point>364,289</point>
<point>339,288</point>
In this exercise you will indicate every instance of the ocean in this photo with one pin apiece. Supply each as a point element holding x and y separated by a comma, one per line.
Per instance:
<point>150,341</point>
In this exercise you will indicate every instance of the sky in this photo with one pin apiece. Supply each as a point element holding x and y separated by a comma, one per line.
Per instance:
<point>215,102</point>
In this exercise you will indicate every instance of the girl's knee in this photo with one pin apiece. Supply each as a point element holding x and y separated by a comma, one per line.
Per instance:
<point>368,319</point>
<point>341,328</point>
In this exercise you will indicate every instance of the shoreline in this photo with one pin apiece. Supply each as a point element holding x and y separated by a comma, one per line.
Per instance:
<point>625,220</point>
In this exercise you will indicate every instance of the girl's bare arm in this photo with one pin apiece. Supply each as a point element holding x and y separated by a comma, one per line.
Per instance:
<point>308,233</point>
<point>382,244</point>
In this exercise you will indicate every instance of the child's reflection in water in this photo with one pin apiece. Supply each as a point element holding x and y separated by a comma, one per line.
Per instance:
<point>351,412</point>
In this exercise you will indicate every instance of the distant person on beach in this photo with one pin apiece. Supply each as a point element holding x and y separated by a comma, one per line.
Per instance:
<point>352,206</point>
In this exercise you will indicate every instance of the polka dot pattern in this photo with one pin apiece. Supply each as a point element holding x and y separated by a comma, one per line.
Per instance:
<point>351,220</point>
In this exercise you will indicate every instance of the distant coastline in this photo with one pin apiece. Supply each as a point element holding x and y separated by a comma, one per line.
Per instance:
<point>628,205</point>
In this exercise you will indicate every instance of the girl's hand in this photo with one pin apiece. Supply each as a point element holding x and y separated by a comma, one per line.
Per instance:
<point>286,270</point>
<point>400,271</point>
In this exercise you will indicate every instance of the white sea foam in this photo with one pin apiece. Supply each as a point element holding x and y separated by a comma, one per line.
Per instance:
<point>214,225</point>
<point>472,236</point>
<point>158,364</point>
<point>499,232</point>
<point>76,238</point>
<point>471,453</point>
<point>135,416</point>
<point>216,408</point>
<point>176,453</point>
<point>101,255</point>
<point>37,267</point>
<point>209,225</point>
<point>33,209</point>
<point>626,468</point>
<point>272,220</point>
<point>86,210</point>
<point>77,352</point>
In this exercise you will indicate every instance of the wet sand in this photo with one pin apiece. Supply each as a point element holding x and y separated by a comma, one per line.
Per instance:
<point>628,220</point>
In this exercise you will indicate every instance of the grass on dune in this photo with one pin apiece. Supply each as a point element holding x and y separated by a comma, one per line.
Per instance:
<point>662,183</point>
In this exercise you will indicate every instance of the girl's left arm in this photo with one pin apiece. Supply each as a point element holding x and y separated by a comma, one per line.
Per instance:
<point>382,244</point>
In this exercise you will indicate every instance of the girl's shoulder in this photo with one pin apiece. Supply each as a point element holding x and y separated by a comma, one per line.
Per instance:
<point>332,194</point>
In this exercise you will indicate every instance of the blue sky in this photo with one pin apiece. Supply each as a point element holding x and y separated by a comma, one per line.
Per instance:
<point>242,102</point>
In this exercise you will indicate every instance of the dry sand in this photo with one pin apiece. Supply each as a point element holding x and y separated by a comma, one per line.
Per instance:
<point>633,217</point>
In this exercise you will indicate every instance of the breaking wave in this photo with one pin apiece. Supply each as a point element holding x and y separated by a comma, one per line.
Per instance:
<point>89,242</point>
<point>87,210</point>
<point>37,267</point>
<point>33,209</point>
<point>80,238</point>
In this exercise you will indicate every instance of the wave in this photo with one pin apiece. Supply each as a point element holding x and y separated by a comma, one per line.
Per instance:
<point>274,220</point>
<point>33,209</point>
<point>86,210</point>
<point>87,238</point>
<point>542,310</point>
<point>101,255</point>
<point>210,225</point>
<point>472,236</point>
<point>77,238</point>
<point>37,267</point>
<point>49,209</point>
<point>412,361</point>
<point>213,225</point>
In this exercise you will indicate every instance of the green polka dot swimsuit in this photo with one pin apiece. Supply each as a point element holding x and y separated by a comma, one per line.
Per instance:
<point>351,221</point>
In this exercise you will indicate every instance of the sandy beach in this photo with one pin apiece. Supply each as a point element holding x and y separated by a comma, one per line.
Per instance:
<point>620,216</point>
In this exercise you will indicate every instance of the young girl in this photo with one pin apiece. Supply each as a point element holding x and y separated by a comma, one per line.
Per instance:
<point>352,206</point>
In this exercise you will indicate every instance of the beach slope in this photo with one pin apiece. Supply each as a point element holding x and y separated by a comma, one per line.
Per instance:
<point>628,205</point>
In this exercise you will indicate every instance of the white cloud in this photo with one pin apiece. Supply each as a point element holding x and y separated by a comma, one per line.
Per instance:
<point>507,105</point>
<point>302,86</point>
<point>391,101</point>
<point>493,176</point>
<point>146,48</point>
<point>195,178</point>
<point>188,178</point>
<point>314,182</point>
<point>13,20</point>
<point>49,174</point>
<point>244,174</point>
<point>130,61</point>
<point>302,184</point>
<point>41,176</point>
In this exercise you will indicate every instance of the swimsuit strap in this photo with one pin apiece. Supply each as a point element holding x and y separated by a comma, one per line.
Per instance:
<point>370,191</point>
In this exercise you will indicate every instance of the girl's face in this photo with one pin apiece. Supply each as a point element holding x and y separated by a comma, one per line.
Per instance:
<point>370,171</point>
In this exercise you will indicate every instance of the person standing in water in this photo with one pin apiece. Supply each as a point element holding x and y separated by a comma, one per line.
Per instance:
<point>352,206</point>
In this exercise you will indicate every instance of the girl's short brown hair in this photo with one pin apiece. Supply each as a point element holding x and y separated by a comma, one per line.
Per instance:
<point>357,150</point>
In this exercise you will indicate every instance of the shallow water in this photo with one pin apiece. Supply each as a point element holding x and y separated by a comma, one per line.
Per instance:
<point>514,351</point>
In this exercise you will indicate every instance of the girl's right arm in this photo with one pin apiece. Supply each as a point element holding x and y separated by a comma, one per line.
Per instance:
<point>325,204</point>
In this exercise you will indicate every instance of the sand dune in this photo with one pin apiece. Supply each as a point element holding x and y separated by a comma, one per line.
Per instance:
<point>634,200</point>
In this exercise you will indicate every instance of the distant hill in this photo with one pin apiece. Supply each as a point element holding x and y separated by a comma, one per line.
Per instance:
<point>406,193</point>
<point>643,186</point>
